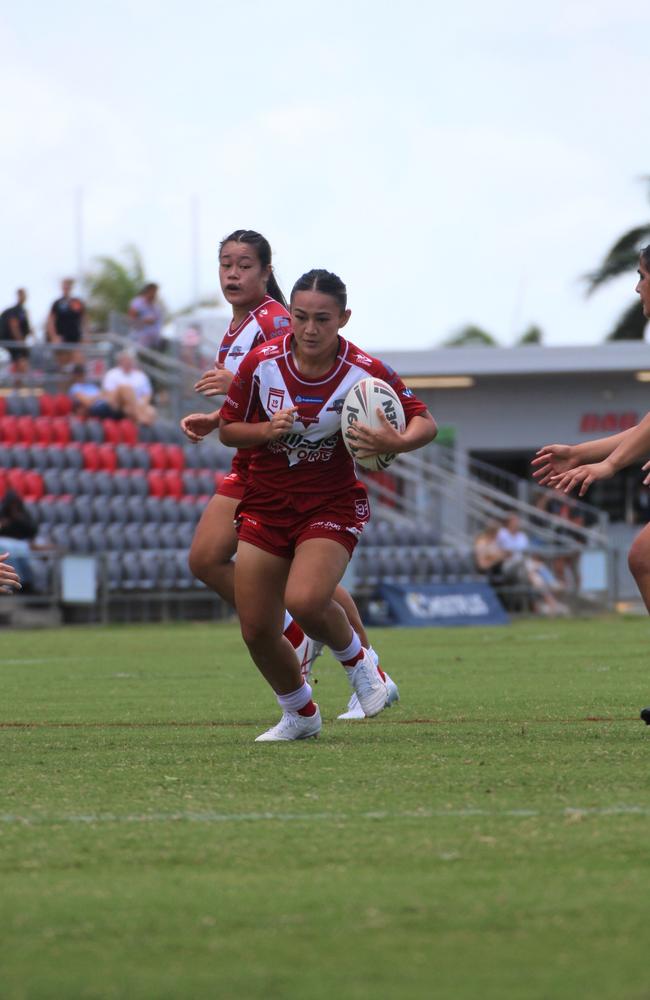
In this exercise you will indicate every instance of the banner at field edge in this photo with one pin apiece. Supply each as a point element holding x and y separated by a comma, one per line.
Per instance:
<point>443,604</point>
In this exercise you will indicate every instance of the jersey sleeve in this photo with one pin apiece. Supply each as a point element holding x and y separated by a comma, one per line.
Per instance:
<point>274,321</point>
<point>241,401</point>
<point>413,407</point>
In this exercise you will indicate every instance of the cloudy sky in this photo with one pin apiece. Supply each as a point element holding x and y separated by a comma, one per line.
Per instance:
<point>454,163</point>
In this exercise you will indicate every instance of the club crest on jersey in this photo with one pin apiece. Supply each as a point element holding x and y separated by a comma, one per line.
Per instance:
<point>275,400</point>
<point>361,509</point>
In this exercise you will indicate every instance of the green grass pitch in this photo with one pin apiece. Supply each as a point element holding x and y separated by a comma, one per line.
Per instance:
<point>488,838</point>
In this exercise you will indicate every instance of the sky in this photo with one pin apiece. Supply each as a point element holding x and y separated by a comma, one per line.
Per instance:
<point>453,163</point>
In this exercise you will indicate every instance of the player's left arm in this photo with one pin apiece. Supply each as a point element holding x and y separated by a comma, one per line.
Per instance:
<point>420,430</point>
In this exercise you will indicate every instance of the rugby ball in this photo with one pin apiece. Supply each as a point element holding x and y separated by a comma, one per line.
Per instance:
<point>361,405</point>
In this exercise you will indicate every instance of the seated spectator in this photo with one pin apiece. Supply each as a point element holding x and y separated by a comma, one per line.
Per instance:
<point>14,327</point>
<point>17,530</point>
<point>9,579</point>
<point>126,387</point>
<point>146,317</point>
<point>499,553</point>
<point>88,399</point>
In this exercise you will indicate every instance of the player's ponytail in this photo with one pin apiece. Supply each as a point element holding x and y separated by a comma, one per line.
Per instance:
<point>319,280</point>
<point>262,249</point>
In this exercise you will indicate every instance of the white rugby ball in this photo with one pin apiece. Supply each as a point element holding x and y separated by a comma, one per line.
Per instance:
<point>361,405</point>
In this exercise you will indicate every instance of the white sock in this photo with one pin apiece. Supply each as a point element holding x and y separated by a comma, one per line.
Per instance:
<point>295,700</point>
<point>287,621</point>
<point>350,651</point>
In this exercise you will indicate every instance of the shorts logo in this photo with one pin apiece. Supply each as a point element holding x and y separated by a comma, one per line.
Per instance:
<point>275,400</point>
<point>361,509</point>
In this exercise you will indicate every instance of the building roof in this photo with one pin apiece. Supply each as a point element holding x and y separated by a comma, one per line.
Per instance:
<point>621,356</point>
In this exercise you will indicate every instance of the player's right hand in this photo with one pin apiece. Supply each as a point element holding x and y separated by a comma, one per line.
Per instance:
<point>282,422</point>
<point>553,460</point>
<point>195,426</point>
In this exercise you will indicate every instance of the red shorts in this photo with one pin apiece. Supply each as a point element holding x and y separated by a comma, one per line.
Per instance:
<point>279,524</point>
<point>232,486</point>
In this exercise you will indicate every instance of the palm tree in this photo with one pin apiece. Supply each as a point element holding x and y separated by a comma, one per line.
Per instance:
<point>532,335</point>
<point>112,285</point>
<point>470,336</point>
<point>622,258</point>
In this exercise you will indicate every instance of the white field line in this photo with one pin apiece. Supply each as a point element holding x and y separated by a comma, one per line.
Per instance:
<point>90,819</point>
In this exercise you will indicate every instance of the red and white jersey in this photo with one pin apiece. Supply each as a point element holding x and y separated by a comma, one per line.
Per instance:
<point>312,458</point>
<point>268,320</point>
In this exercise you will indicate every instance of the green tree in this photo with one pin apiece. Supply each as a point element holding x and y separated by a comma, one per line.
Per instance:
<point>470,336</point>
<point>532,335</point>
<point>623,258</point>
<point>112,284</point>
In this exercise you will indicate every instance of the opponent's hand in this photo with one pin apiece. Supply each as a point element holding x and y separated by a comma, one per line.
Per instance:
<point>552,460</point>
<point>215,382</point>
<point>281,422</point>
<point>9,579</point>
<point>195,426</point>
<point>368,441</point>
<point>583,476</point>
<point>646,468</point>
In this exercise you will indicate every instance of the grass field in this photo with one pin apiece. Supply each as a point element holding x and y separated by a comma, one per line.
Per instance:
<point>488,838</point>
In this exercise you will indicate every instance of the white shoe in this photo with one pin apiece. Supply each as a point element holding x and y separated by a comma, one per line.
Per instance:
<point>293,727</point>
<point>368,686</point>
<point>307,652</point>
<point>354,709</point>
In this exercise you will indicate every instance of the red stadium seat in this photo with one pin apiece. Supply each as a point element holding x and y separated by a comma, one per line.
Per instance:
<point>107,457</point>
<point>47,405</point>
<point>9,430</point>
<point>156,483</point>
<point>60,430</point>
<point>43,430</point>
<point>26,430</point>
<point>63,405</point>
<point>3,482</point>
<point>157,456</point>
<point>33,486</point>
<point>128,432</point>
<point>16,480</point>
<point>175,457</point>
<point>3,406</point>
<point>90,452</point>
<point>112,431</point>
<point>173,483</point>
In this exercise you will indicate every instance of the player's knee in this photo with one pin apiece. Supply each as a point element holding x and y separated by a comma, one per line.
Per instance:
<point>256,634</point>
<point>306,607</point>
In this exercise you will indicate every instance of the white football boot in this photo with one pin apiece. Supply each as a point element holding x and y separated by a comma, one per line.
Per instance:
<point>354,709</point>
<point>293,727</point>
<point>367,684</point>
<point>307,652</point>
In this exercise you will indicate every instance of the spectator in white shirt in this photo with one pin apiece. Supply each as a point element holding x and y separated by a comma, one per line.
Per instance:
<point>127,388</point>
<point>511,537</point>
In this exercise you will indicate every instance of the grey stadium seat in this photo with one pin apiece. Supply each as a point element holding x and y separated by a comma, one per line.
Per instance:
<point>136,509</point>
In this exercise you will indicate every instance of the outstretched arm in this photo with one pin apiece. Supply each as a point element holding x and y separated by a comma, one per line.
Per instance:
<point>632,445</point>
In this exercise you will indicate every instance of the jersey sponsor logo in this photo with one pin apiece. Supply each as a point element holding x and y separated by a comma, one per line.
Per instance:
<point>337,406</point>
<point>298,448</point>
<point>362,359</point>
<point>275,400</point>
<point>307,421</point>
<point>308,399</point>
<point>407,393</point>
<point>269,349</point>
<point>236,351</point>
<point>264,312</point>
<point>231,402</point>
<point>280,321</point>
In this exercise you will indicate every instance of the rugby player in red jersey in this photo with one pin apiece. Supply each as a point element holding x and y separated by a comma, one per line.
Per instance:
<point>303,508</point>
<point>259,314</point>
